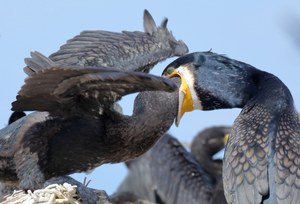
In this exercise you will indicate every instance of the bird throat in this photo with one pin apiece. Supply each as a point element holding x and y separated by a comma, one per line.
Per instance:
<point>188,100</point>
<point>185,99</point>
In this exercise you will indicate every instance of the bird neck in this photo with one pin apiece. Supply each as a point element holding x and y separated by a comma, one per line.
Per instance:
<point>252,86</point>
<point>205,158</point>
<point>206,152</point>
<point>154,113</point>
<point>271,93</point>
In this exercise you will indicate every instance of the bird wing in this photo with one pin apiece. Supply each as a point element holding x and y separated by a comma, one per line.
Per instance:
<point>130,51</point>
<point>287,159</point>
<point>64,90</point>
<point>256,170</point>
<point>173,175</point>
<point>245,165</point>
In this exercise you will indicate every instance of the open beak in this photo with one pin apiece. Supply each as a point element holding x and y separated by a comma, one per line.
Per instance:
<point>185,96</point>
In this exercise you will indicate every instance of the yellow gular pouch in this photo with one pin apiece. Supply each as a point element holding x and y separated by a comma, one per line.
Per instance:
<point>186,101</point>
<point>186,98</point>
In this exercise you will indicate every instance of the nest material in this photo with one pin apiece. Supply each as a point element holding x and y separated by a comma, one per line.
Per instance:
<point>52,194</point>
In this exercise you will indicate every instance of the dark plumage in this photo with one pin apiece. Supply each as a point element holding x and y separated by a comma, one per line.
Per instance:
<point>127,51</point>
<point>150,175</point>
<point>206,144</point>
<point>167,173</point>
<point>16,116</point>
<point>82,129</point>
<point>261,157</point>
<point>128,198</point>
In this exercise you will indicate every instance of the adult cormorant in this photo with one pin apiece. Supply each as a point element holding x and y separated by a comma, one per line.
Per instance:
<point>82,129</point>
<point>262,156</point>
<point>168,173</point>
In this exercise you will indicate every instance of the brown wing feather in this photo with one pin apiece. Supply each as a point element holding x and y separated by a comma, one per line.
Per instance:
<point>37,62</point>
<point>81,90</point>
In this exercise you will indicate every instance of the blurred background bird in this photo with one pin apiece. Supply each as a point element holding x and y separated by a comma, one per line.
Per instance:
<point>168,173</point>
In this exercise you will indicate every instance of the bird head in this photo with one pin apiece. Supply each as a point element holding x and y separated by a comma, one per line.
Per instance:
<point>210,81</point>
<point>210,141</point>
<point>188,100</point>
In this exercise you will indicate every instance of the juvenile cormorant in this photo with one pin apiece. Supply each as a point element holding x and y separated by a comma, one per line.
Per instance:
<point>262,156</point>
<point>82,129</point>
<point>127,51</point>
<point>168,173</point>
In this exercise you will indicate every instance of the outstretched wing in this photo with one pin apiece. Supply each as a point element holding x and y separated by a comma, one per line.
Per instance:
<point>65,90</point>
<point>130,51</point>
<point>168,174</point>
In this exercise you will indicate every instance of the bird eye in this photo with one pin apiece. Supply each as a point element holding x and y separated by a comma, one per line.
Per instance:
<point>170,70</point>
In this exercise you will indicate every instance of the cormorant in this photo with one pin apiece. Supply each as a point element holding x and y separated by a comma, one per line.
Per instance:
<point>82,129</point>
<point>168,173</point>
<point>128,51</point>
<point>206,144</point>
<point>261,163</point>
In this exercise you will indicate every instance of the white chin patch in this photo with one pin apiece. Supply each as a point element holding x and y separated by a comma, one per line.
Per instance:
<point>189,77</point>
<point>181,97</point>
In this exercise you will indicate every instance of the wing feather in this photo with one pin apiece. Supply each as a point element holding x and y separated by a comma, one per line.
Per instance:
<point>130,51</point>
<point>169,174</point>
<point>245,164</point>
<point>287,159</point>
<point>269,174</point>
<point>67,90</point>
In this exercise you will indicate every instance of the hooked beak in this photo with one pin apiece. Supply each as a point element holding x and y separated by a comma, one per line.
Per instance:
<point>185,96</point>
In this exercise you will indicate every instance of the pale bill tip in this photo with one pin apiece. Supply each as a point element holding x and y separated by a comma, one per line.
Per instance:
<point>179,111</point>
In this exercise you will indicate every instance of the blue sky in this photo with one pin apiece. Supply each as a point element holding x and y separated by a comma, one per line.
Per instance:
<point>251,31</point>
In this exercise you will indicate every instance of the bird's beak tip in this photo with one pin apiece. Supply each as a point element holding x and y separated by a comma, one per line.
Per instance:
<point>177,122</point>
<point>178,118</point>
